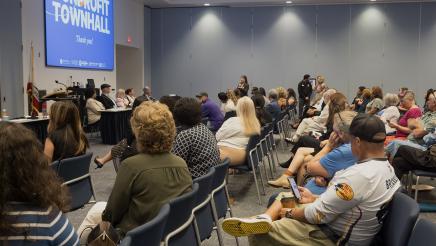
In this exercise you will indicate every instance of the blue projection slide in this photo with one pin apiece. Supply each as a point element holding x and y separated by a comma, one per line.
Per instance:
<point>79,34</point>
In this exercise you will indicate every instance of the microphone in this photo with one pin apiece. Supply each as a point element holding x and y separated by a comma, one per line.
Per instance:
<point>57,82</point>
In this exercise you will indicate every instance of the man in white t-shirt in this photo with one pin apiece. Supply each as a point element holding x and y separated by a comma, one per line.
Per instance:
<point>348,213</point>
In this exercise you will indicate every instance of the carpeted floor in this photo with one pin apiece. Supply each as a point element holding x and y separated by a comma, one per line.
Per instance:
<point>241,187</point>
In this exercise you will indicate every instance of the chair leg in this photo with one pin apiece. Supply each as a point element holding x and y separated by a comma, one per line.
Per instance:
<point>230,208</point>
<point>217,224</point>
<point>271,166</point>
<point>197,231</point>
<point>416,188</point>
<point>262,178</point>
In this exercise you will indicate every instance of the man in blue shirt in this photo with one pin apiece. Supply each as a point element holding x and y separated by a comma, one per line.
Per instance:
<point>211,111</point>
<point>273,107</point>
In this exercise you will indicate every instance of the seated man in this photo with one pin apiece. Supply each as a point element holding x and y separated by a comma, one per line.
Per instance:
<point>335,155</point>
<point>211,111</point>
<point>409,158</point>
<point>347,213</point>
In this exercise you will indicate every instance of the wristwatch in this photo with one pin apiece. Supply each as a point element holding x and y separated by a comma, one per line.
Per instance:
<point>288,214</point>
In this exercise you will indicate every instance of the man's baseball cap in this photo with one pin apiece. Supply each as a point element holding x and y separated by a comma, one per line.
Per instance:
<point>105,86</point>
<point>201,94</point>
<point>368,128</point>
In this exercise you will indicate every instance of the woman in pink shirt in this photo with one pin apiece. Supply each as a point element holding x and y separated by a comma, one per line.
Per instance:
<point>413,112</point>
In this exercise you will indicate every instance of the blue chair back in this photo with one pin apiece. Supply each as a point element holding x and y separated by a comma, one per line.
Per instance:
<point>55,166</point>
<point>203,215</point>
<point>75,174</point>
<point>180,215</point>
<point>399,221</point>
<point>150,232</point>
<point>220,196</point>
<point>423,234</point>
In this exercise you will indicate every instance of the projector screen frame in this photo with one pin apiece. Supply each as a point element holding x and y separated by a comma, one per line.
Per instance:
<point>75,67</point>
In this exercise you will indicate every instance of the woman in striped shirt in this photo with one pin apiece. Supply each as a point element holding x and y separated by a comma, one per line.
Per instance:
<point>31,197</point>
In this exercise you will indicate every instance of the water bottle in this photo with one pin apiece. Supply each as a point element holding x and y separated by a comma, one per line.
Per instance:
<point>5,116</point>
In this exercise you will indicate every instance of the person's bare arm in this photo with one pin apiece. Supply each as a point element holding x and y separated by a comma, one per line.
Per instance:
<point>49,149</point>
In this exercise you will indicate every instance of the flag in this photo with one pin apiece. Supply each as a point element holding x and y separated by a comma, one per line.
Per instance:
<point>32,90</point>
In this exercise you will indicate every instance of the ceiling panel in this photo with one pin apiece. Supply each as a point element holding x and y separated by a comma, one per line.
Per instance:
<point>258,3</point>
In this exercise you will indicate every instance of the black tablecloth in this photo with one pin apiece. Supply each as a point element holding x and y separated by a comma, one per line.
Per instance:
<point>114,126</point>
<point>39,127</point>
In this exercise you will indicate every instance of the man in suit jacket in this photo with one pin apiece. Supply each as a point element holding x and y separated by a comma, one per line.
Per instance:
<point>107,101</point>
<point>144,97</point>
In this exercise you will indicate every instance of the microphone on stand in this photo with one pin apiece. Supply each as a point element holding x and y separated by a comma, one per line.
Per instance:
<point>57,82</point>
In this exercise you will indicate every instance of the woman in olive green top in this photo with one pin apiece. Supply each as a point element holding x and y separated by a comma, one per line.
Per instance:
<point>148,180</point>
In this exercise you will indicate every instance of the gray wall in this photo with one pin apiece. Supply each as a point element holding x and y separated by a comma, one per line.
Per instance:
<point>11,74</point>
<point>147,47</point>
<point>207,49</point>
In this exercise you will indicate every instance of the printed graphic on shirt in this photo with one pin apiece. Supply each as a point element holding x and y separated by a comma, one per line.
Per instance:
<point>344,191</point>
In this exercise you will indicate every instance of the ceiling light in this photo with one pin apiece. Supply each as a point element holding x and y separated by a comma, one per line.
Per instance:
<point>288,2</point>
<point>373,0</point>
<point>207,4</point>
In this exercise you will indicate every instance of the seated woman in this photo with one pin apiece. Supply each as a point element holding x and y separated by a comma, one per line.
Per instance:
<point>405,126</point>
<point>262,115</point>
<point>195,143</point>
<point>130,97</point>
<point>227,105</point>
<point>235,132</point>
<point>291,101</point>
<point>338,103</point>
<point>121,100</point>
<point>334,156</point>
<point>93,107</point>
<point>316,123</point>
<point>65,134</point>
<point>263,93</point>
<point>282,97</point>
<point>32,198</point>
<point>148,180</point>
<point>376,103</point>
<point>390,113</point>
<point>360,104</point>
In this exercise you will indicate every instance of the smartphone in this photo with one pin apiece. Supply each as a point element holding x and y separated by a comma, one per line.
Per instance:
<point>294,188</point>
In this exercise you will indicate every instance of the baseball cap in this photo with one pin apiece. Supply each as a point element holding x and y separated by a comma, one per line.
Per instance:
<point>201,94</point>
<point>368,128</point>
<point>105,86</point>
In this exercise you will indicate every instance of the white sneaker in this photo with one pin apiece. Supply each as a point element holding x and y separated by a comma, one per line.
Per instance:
<point>242,227</point>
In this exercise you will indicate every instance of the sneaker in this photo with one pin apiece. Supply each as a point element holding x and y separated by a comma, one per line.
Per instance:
<point>242,227</point>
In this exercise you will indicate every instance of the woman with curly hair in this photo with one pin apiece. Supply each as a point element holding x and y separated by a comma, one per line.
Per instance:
<point>65,133</point>
<point>147,180</point>
<point>283,95</point>
<point>31,196</point>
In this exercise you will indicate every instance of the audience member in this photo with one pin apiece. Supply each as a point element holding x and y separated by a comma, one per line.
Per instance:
<point>32,198</point>
<point>211,111</point>
<point>273,107</point>
<point>291,101</point>
<point>93,107</point>
<point>169,100</point>
<point>195,143</point>
<point>316,123</point>
<point>263,93</point>
<point>145,181</point>
<point>429,92</point>
<point>338,104</point>
<point>243,86</point>
<point>376,103</point>
<point>232,96</point>
<point>335,155</point>
<point>105,98</point>
<point>282,97</point>
<point>357,97</point>
<point>390,113</point>
<point>254,91</point>
<point>404,126</point>
<point>121,100</point>
<point>360,105</point>
<point>234,134</point>
<point>304,93</point>
<point>130,96</point>
<point>262,115</point>
<point>227,105</point>
<point>331,219</point>
<point>401,93</point>
<point>409,158</point>
<point>65,134</point>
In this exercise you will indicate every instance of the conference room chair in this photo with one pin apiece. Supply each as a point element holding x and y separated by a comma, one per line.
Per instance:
<point>423,234</point>
<point>75,175</point>
<point>418,174</point>
<point>203,218</point>
<point>281,133</point>
<point>397,227</point>
<point>266,154</point>
<point>55,166</point>
<point>272,145</point>
<point>220,198</point>
<point>149,233</point>
<point>253,163</point>
<point>179,229</point>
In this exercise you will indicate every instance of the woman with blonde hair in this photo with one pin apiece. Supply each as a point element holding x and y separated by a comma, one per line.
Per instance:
<point>65,134</point>
<point>235,132</point>
<point>283,95</point>
<point>121,100</point>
